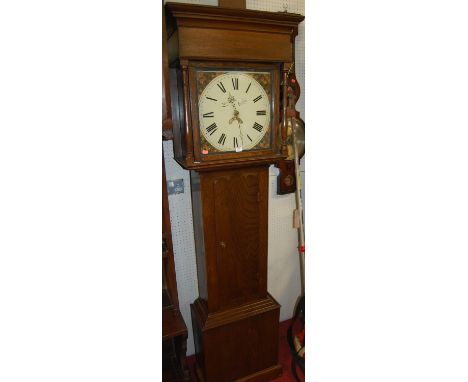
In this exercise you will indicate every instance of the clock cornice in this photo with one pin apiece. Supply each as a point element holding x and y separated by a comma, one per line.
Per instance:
<point>225,30</point>
<point>192,15</point>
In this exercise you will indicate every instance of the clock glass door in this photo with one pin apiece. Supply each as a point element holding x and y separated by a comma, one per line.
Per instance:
<point>235,110</point>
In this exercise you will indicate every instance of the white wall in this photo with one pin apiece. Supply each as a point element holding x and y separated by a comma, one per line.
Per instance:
<point>283,261</point>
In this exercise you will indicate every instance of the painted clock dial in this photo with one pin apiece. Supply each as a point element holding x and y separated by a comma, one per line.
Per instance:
<point>234,112</point>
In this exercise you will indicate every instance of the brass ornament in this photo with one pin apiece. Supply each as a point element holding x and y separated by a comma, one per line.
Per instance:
<point>300,137</point>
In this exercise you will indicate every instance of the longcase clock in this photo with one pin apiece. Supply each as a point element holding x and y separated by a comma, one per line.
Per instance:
<point>228,91</point>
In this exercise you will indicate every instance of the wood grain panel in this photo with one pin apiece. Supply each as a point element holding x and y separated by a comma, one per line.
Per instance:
<point>237,229</point>
<point>231,45</point>
<point>166,96</point>
<point>250,332</point>
<point>233,19</point>
<point>198,225</point>
<point>235,207</point>
<point>250,340</point>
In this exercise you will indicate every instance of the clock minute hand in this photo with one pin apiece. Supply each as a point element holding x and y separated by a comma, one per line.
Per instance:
<point>241,135</point>
<point>239,120</point>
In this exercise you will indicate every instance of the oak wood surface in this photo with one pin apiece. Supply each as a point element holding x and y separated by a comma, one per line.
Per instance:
<point>166,96</point>
<point>181,14</point>
<point>173,324</point>
<point>286,179</point>
<point>239,344</point>
<point>175,78</point>
<point>231,45</point>
<point>230,209</point>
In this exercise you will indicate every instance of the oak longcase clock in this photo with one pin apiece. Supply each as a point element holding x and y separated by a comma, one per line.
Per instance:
<point>228,91</point>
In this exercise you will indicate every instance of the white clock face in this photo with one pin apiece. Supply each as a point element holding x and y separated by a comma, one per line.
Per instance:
<point>234,112</point>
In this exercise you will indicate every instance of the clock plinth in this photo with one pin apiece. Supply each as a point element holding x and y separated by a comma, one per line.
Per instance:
<point>237,344</point>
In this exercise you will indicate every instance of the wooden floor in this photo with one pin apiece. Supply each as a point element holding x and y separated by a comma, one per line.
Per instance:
<point>284,356</point>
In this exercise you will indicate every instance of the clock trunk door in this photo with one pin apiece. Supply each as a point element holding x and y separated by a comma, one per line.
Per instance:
<point>235,214</point>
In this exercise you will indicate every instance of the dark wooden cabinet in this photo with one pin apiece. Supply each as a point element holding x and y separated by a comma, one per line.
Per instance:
<point>174,341</point>
<point>166,94</point>
<point>174,330</point>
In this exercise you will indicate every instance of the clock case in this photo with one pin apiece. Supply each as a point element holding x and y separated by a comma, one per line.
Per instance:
<point>235,320</point>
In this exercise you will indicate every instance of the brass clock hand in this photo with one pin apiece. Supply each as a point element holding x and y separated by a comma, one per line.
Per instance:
<point>240,122</point>
<point>235,117</point>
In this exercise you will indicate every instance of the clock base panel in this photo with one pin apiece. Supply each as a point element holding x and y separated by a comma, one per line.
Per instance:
<point>238,344</point>
<point>262,376</point>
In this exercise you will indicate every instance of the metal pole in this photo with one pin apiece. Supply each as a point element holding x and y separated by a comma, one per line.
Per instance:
<point>301,247</point>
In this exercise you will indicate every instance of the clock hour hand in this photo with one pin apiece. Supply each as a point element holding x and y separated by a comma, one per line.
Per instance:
<point>236,117</point>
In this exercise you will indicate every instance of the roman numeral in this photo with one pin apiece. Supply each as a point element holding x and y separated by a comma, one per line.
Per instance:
<point>211,99</point>
<point>235,83</point>
<point>249,137</point>
<point>257,127</point>
<point>222,139</point>
<point>211,114</point>
<point>248,87</point>
<point>236,144</point>
<point>212,128</point>
<point>221,86</point>
<point>258,98</point>
<point>261,112</point>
